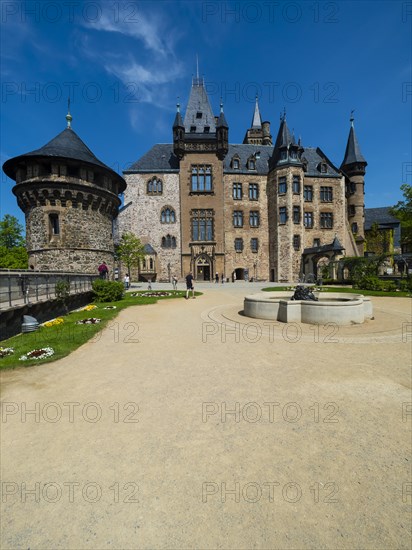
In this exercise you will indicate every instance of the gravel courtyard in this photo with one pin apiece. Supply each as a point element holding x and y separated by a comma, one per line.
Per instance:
<point>187,425</point>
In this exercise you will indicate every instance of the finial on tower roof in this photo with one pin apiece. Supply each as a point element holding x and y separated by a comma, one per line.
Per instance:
<point>69,117</point>
<point>221,104</point>
<point>352,118</point>
<point>178,104</point>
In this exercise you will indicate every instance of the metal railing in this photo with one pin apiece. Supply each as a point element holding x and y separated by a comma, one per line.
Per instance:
<point>19,287</point>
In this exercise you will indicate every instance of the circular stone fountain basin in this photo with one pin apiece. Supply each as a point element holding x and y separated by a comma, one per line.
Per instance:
<point>333,307</point>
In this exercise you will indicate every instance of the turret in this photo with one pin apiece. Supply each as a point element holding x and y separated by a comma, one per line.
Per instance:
<point>222,134</point>
<point>178,133</point>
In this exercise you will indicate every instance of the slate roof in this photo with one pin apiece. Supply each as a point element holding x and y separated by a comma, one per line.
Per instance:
<point>160,158</point>
<point>199,103</point>
<point>66,145</point>
<point>148,249</point>
<point>257,119</point>
<point>385,220</point>
<point>335,246</point>
<point>352,152</point>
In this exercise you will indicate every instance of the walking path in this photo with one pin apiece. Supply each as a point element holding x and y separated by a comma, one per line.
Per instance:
<point>187,426</point>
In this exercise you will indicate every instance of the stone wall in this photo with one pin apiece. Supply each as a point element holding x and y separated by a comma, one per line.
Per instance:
<point>142,217</point>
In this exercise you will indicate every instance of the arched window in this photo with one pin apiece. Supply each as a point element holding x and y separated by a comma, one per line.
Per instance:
<point>169,241</point>
<point>155,186</point>
<point>168,215</point>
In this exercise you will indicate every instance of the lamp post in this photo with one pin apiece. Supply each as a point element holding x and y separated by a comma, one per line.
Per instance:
<point>168,270</point>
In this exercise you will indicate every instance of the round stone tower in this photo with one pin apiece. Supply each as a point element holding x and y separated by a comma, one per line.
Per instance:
<point>70,199</point>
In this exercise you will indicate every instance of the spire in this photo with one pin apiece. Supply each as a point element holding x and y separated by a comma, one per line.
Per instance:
<point>257,119</point>
<point>353,153</point>
<point>199,114</point>
<point>284,137</point>
<point>69,117</point>
<point>178,118</point>
<point>222,119</point>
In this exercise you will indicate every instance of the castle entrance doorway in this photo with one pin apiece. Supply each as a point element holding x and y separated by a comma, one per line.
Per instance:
<point>203,268</point>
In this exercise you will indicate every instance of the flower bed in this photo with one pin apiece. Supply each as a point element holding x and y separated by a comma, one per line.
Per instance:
<point>110,307</point>
<point>88,321</point>
<point>41,353</point>
<point>154,294</point>
<point>53,322</point>
<point>90,307</point>
<point>4,352</point>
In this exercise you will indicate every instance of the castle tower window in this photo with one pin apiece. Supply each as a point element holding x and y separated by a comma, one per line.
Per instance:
<point>168,215</point>
<point>151,265</point>
<point>251,164</point>
<point>239,244</point>
<point>193,129</point>
<point>254,244</point>
<point>282,186</point>
<point>316,242</point>
<point>201,179</point>
<point>296,242</point>
<point>198,114</point>
<point>168,242</point>
<point>207,129</point>
<point>54,225</point>
<point>326,194</point>
<point>238,218</point>
<point>283,215</point>
<point>323,168</point>
<point>326,220</point>
<point>154,187</point>
<point>354,228</point>
<point>308,220</point>
<point>237,191</point>
<point>296,214</point>
<point>253,191</point>
<point>235,164</point>
<point>254,218</point>
<point>351,210</point>
<point>308,193</point>
<point>296,185</point>
<point>202,225</point>
<point>283,154</point>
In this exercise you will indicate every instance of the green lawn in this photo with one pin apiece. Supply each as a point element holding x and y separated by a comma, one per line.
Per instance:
<point>396,294</point>
<point>68,336</point>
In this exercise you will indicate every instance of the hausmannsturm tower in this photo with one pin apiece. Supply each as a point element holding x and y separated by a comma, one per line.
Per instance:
<point>70,200</point>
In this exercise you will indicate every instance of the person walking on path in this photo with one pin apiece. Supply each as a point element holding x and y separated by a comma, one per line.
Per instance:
<point>174,282</point>
<point>217,278</point>
<point>189,285</point>
<point>103,270</point>
<point>126,281</point>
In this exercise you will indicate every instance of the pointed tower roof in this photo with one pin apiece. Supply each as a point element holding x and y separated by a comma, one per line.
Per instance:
<point>284,137</point>
<point>257,119</point>
<point>353,153</point>
<point>178,118</point>
<point>222,119</point>
<point>199,112</point>
<point>66,145</point>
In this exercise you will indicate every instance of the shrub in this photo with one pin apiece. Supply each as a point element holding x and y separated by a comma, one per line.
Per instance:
<point>107,291</point>
<point>405,285</point>
<point>371,282</point>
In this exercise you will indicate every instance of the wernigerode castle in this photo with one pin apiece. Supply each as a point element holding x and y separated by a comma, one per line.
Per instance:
<point>265,209</point>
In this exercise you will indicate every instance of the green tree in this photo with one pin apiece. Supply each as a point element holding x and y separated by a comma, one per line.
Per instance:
<point>13,258</point>
<point>403,211</point>
<point>130,250</point>
<point>11,232</point>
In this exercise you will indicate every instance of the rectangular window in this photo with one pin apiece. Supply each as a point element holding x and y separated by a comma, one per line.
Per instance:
<point>316,242</point>
<point>351,210</point>
<point>202,225</point>
<point>254,245</point>
<point>238,245</point>
<point>296,242</point>
<point>283,214</point>
<point>237,191</point>
<point>201,179</point>
<point>296,214</point>
<point>354,228</point>
<point>308,193</point>
<point>326,220</point>
<point>308,219</point>
<point>296,185</point>
<point>326,194</point>
<point>282,185</point>
<point>54,224</point>
<point>238,218</point>
<point>253,191</point>
<point>254,218</point>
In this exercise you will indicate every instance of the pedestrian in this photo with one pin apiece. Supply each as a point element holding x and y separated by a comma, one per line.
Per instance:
<point>223,278</point>
<point>103,270</point>
<point>217,277</point>
<point>234,276</point>
<point>149,286</point>
<point>127,281</point>
<point>174,282</point>
<point>189,285</point>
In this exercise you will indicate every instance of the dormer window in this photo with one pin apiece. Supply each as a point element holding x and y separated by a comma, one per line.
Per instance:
<point>235,164</point>
<point>251,164</point>
<point>207,129</point>
<point>193,129</point>
<point>293,155</point>
<point>198,114</point>
<point>322,167</point>
<point>283,154</point>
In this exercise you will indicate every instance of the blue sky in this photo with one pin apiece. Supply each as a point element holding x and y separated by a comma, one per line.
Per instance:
<point>124,65</point>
